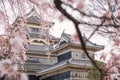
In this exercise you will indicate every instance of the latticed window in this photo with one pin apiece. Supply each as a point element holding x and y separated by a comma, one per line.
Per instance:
<point>33,59</point>
<point>76,55</point>
<point>34,29</point>
<point>76,74</point>
<point>83,55</point>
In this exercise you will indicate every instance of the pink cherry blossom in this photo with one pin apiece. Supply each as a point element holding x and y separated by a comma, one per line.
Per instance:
<point>107,14</point>
<point>72,1</point>
<point>80,5</point>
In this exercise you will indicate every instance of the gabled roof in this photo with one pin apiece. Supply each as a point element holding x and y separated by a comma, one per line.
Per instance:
<point>35,18</point>
<point>65,38</point>
<point>69,39</point>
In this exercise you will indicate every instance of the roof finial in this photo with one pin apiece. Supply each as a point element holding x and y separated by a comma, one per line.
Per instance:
<point>64,31</point>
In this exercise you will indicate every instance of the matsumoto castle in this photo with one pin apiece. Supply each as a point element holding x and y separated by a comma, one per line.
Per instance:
<point>53,58</point>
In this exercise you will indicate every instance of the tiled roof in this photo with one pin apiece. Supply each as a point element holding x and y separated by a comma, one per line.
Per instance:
<point>66,36</point>
<point>81,62</point>
<point>33,19</point>
<point>60,64</point>
<point>39,48</point>
<point>75,62</point>
<point>88,43</point>
<point>38,67</point>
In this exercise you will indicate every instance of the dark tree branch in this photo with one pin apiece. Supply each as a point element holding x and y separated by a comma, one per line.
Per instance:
<point>76,23</point>
<point>93,16</point>
<point>92,34</point>
<point>90,15</point>
<point>102,5</point>
<point>95,30</point>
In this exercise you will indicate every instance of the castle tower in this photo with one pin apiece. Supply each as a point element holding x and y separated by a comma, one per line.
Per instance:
<point>38,29</point>
<point>40,45</point>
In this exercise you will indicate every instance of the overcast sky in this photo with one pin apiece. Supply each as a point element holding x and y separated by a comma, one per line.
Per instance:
<point>68,27</point>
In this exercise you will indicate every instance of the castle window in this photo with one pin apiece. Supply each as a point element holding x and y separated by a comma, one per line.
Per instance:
<point>34,29</point>
<point>62,77</point>
<point>62,42</point>
<point>64,56</point>
<point>33,59</point>
<point>83,55</point>
<point>58,78</point>
<point>76,75</point>
<point>76,55</point>
<point>66,75</point>
<point>81,75</point>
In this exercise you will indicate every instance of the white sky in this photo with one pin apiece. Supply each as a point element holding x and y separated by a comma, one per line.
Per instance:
<point>65,26</point>
<point>68,27</point>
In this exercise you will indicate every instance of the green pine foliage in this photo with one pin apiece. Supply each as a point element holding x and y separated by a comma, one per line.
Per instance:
<point>93,73</point>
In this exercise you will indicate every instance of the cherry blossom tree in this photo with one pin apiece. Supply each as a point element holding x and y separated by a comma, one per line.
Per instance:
<point>14,40</point>
<point>103,17</point>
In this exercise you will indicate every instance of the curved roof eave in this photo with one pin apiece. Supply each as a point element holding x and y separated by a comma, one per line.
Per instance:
<point>75,45</point>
